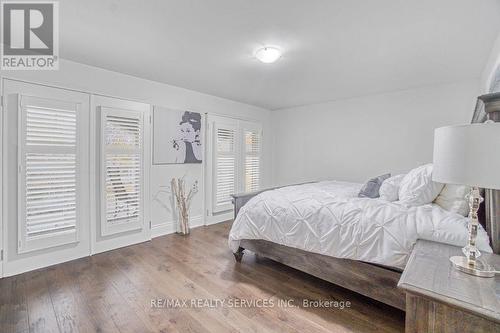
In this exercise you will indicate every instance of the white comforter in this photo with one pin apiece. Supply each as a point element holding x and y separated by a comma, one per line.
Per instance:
<point>328,218</point>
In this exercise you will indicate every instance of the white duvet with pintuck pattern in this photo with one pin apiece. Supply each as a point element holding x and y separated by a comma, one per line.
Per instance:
<point>328,218</point>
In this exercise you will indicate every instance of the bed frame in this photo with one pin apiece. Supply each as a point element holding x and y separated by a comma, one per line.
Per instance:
<point>374,281</point>
<point>371,280</point>
<point>488,108</point>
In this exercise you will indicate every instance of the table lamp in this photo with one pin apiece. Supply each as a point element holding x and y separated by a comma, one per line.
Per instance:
<point>469,155</point>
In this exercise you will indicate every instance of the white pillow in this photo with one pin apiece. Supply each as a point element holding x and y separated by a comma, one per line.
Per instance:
<point>390,188</point>
<point>417,187</point>
<point>452,198</point>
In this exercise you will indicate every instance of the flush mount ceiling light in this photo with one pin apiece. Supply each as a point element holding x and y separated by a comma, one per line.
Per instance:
<point>268,54</point>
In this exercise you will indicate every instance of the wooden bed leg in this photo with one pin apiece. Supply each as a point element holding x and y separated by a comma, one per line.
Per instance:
<point>238,255</point>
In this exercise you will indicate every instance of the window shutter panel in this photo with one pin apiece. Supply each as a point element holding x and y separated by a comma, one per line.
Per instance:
<point>252,143</point>
<point>236,152</point>
<point>48,180</point>
<point>122,171</point>
<point>225,148</point>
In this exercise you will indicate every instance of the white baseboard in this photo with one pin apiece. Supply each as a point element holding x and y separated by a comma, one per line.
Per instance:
<point>196,221</point>
<point>169,227</point>
<point>32,263</point>
<point>28,264</point>
<point>118,243</point>
<point>217,221</point>
<point>219,218</point>
<point>162,229</point>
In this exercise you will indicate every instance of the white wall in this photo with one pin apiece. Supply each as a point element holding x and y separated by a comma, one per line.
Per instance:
<point>99,81</point>
<point>355,139</point>
<point>489,69</point>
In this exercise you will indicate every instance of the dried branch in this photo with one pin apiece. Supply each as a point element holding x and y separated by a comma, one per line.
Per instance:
<point>178,186</point>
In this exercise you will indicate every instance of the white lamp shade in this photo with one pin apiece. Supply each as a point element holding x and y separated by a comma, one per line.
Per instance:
<point>468,155</point>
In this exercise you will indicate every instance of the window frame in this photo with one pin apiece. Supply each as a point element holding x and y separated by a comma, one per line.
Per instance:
<point>232,125</point>
<point>42,242</point>
<point>106,229</point>
<point>250,127</point>
<point>214,122</point>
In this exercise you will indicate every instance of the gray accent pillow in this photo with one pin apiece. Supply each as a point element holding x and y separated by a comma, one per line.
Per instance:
<point>372,186</point>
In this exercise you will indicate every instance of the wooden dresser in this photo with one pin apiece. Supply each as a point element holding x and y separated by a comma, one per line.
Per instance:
<point>442,299</point>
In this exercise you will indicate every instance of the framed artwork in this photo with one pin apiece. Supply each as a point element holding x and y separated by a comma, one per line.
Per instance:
<point>176,136</point>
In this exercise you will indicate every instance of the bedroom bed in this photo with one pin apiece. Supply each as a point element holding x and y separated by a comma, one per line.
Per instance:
<point>372,265</point>
<point>325,230</point>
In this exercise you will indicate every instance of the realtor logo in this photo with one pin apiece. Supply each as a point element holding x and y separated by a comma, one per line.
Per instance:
<point>30,35</point>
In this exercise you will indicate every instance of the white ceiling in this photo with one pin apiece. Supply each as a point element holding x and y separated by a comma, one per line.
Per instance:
<point>332,48</point>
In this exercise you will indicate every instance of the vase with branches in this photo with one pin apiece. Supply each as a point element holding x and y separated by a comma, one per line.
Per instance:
<point>183,202</point>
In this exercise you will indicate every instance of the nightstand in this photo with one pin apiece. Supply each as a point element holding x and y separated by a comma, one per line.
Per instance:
<point>440,298</point>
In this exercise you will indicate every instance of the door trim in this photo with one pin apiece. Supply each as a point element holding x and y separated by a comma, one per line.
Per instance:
<point>100,243</point>
<point>15,262</point>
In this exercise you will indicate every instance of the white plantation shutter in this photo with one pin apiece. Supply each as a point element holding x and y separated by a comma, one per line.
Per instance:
<point>121,171</point>
<point>252,154</point>
<point>236,157</point>
<point>225,158</point>
<point>48,173</point>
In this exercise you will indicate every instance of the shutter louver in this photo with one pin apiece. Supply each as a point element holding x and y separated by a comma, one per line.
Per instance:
<point>252,160</point>
<point>50,127</point>
<point>236,158</point>
<point>50,193</point>
<point>48,185</point>
<point>122,187</point>
<point>225,167</point>
<point>122,171</point>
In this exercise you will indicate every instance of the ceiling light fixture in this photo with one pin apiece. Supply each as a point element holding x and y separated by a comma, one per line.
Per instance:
<point>268,54</point>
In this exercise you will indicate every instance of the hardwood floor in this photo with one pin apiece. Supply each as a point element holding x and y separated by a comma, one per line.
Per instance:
<point>112,292</point>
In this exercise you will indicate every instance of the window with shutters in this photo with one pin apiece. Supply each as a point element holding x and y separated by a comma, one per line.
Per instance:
<point>121,171</point>
<point>236,163</point>
<point>252,143</point>
<point>48,173</point>
<point>225,147</point>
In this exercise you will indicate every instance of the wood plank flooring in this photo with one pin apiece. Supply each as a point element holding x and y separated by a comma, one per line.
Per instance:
<point>112,292</point>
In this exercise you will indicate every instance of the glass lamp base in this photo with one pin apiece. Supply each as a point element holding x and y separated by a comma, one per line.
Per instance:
<point>480,269</point>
